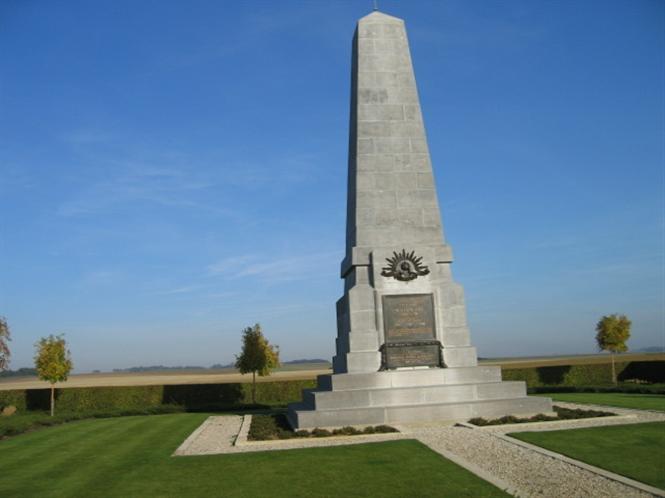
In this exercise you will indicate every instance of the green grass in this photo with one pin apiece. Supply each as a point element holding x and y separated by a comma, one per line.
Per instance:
<point>622,400</point>
<point>30,421</point>
<point>634,451</point>
<point>130,457</point>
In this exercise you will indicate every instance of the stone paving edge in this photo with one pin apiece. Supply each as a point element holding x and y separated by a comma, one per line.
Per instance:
<point>241,438</point>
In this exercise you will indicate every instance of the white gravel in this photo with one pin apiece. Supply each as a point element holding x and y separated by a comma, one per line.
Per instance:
<point>485,451</point>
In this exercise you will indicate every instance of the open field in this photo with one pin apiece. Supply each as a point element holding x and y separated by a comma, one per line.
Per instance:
<point>157,378</point>
<point>592,359</point>
<point>634,451</point>
<point>130,456</point>
<point>290,372</point>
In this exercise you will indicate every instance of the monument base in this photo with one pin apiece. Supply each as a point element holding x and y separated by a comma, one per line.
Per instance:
<point>416,395</point>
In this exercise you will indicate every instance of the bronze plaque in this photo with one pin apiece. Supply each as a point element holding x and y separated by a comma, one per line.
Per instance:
<point>408,317</point>
<point>412,355</point>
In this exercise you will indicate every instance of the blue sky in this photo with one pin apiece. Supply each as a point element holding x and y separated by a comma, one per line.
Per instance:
<point>171,172</point>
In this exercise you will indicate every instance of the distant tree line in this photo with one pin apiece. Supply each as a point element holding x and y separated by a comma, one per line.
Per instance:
<point>216,366</point>
<point>153,368</point>
<point>32,372</point>
<point>21,372</point>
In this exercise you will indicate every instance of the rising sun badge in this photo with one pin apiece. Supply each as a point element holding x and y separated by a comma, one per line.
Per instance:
<point>404,266</point>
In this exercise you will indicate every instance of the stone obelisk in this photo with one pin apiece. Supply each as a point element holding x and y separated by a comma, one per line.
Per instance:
<point>392,205</point>
<point>403,351</point>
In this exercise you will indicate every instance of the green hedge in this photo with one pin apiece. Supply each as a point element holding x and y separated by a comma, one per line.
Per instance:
<point>189,396</point>
<point>587,375</point>
<point>195,397</point>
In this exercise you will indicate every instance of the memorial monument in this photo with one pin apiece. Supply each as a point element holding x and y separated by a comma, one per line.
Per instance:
<point>403,347</point>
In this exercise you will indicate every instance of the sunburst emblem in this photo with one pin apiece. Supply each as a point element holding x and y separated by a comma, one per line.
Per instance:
<point>404,266</point>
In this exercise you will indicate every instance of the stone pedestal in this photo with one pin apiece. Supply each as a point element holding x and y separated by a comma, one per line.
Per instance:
<point>412,396</point>
<point>403,351</point>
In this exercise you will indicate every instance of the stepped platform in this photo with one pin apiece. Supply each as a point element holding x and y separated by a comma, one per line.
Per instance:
<point>408,396</point>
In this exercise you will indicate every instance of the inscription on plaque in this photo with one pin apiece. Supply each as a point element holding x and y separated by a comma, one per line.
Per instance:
<point>408,317</point>
<point>410,338</point>
<point>412,355</point>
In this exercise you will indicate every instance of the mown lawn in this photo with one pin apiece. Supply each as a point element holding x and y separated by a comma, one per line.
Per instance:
<point>130,457</point>
<point>634,450</point>
<point>622,400</point>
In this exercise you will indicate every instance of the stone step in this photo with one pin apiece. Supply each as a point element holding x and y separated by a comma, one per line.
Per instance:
<point>456,411</point>
<point>416,395</point>
<point>406,378</point>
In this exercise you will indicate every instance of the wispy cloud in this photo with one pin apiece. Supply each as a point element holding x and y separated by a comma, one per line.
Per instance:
<point>228,266</point>
<point>610,269</point>
<point>86,136</point>
<point>187,289</point>
<point>281,172</point>
<point>199,291</point>
<point>101,277</point>
<point>122,173</point>
<point>297,267</point>
<point>142,183</point>
<point>555,244</point>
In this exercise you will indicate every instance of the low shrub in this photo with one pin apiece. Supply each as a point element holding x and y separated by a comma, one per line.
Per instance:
<point>571,414</point>
<point>346,431</point>
<point>271,427</point>
<point>384,429</point>
<point>316,432</point>
<point>267,427</point>
<point>15,398</point>
<point>8,411</point>
<point>561,414</point>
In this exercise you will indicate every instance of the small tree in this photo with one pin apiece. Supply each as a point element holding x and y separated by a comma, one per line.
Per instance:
<point>53,362</point>
<point>257,355</point>
<point>5,337</point>
<point>612,332</point>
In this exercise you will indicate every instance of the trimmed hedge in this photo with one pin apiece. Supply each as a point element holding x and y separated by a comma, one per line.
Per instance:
<point>194,397</point>
<point>587,375</point>
<point>191,397</point>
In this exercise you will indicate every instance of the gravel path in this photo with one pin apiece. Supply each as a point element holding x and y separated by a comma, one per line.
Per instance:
<point>485,451</point>
<point>215,435</point>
